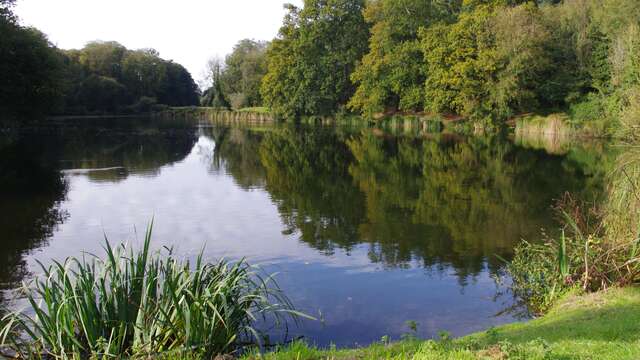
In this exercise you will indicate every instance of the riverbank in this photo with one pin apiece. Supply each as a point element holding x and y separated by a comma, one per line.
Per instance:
<point>553,128</point>
<point>603,325</point>
<point>249,115</point>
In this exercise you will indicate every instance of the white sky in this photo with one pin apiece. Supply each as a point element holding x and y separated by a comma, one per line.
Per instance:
<point>186,31</point>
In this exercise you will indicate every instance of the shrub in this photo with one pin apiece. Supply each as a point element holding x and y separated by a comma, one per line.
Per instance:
<point>591,112</point>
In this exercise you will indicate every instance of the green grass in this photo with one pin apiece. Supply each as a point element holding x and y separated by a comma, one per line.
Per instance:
<point>604,325</point>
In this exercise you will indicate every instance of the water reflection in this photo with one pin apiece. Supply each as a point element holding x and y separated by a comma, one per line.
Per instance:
<point>35,166</point>
<point>446,202</point>
<point>236,152</point>
<point>111,151</point>
<point>368,228</point>
<point>31,189</point>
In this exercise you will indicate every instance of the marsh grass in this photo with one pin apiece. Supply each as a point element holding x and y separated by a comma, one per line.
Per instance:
<point>599,246</point>
<point>141,304</point>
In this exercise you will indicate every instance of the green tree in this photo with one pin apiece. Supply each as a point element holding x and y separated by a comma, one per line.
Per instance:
<point>31,71</point>
<point>102,94</point>
<point>180,88</point>
<point>490,64</point>
<point>523,60</point>
<point>215,96</point>
<point>107,67</point>
<point>310,63</point>
<point>103,58</point>
<point>244,69</point>
<point>461,59</point>
<point>391,75</point>
<point>144,73</point>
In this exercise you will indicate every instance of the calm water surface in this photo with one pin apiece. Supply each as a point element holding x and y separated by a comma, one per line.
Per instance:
<point>367,229</point>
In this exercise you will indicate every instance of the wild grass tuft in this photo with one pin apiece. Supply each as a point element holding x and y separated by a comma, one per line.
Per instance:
<point>140,304</point>
<point>599,246</point>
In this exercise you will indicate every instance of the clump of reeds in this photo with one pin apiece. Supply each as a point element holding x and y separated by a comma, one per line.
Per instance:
<point>139,303</point>
<point>599,246</point>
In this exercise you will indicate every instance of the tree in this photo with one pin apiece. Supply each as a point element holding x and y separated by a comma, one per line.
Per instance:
<point>214,96</point>
<point>243,72</point>
<point>5,9</point>
<point>31,71</point>
<point>103,58</point>
<point>144,73</point>
<point>180,89</point>
<point>108,67</point>
<point>491,63</point>
<point>391,75</point>
<point>102,94</point>
<point>310,63</point>
<point>523,60</point>
<point>461,59</point>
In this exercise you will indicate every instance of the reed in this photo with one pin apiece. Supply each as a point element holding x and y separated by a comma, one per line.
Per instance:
<point>140,304</point>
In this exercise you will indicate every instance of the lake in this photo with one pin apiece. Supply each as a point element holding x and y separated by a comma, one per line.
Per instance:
<point>367,229</point>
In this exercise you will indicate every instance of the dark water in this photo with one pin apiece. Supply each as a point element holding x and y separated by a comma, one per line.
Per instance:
<point>367,229</point>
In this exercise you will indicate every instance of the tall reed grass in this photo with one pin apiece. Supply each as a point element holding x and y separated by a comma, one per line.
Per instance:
<point>142,303</point>
<point>599,246</point>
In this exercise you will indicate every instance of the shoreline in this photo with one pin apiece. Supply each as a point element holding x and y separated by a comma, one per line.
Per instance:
<point>601,325</point>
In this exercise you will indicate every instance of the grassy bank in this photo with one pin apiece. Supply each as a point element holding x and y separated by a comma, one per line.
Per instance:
<point>604,325</point>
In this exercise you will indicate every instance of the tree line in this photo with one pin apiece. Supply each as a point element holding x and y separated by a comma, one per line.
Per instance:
<point>101,78</point>
<point>107,77</point>
<point>485,60</point>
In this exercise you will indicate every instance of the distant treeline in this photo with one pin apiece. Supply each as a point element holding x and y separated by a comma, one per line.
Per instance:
<point>486,60</point>
<point>102,78</point>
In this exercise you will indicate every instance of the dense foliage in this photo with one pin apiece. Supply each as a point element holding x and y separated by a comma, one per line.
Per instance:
<point>486,60</point>
<point>392,74</point>
<point>310,63</point>
<point>103,77</point>
<point>31,69</point>
<point>235,83</point>
<point>106,77</point>
<point>500,60</point>
<point>244,69</point>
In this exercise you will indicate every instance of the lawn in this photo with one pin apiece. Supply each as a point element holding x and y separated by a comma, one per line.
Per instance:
<point>604,325</point>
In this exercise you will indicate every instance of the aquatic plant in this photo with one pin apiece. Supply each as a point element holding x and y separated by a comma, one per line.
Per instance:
<point>141,303</point>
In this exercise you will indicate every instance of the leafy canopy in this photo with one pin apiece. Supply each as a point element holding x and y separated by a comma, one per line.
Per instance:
<point>310,63</point>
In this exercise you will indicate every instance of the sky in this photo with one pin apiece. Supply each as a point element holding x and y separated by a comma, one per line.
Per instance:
<point>187,31</point>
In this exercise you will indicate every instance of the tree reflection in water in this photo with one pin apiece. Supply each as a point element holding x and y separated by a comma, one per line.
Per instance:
<point>439,202</point>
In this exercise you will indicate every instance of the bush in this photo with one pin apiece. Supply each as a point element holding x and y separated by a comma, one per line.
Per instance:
<point>593,114</point>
